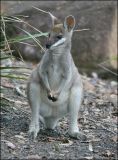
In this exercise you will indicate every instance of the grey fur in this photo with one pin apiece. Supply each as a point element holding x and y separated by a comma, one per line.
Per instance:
<point>56,76</point>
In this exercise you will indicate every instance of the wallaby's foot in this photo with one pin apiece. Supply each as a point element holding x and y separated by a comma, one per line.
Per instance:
<point>33,130</point>
<point>78,135</point>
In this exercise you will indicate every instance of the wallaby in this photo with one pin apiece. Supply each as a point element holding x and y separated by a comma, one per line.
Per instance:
<point>55,87</point>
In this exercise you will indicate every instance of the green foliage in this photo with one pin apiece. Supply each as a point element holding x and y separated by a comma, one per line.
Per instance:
<point>23,38</point>
<point>6,52</point>
<point>115,57</point>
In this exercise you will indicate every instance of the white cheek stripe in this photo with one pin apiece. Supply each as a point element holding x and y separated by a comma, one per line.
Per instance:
<point>59,42</point>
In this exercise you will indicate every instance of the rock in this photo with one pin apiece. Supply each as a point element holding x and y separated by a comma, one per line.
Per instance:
<point>113,99</point>
<point>94,75</point>
<point>114,84</point>
<point>9,144</point>
<point>89,47</point>
<point>89,87</point>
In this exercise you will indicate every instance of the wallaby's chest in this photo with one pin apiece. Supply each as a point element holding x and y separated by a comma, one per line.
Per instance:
<point>55,72</point>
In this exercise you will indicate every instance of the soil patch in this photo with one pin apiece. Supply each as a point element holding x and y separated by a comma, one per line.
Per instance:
<point>97,119</point>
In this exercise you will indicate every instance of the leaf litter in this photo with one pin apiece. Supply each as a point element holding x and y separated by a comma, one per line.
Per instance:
<point>97,119</point>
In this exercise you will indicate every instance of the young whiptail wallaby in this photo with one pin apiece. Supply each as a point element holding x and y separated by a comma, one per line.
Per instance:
<point>55,86</point>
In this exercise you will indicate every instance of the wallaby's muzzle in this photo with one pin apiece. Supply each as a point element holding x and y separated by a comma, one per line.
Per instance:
<point>48,46</point>
<point>48,43</point>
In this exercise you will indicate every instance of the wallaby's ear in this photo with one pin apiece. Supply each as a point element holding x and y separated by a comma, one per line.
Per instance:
<point>69,22</point>
<point>55,20</point>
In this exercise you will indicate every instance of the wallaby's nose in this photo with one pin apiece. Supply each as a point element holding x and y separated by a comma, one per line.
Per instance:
<point>48,46</point>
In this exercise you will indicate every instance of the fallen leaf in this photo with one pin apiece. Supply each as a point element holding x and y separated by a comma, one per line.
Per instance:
<point>9,144</point>
<point>115,138</point>
<point>20,137</point>
<point>69,143</point>
<point>89,87</point>
<point>113,99</point>
<point>56,147</point>
<point>94,75</point>
<point>108,153</point>
<point>33,157</point>
<point>87,131</point>
<point>50,139</point>
<point>114,84</point>
<point>90,147</point>
<point>91,157</point>
<point>8,85</point>
<point>19,102</point>
<point>86,101</point>
<point>96,140</point>
<point>99,101</point>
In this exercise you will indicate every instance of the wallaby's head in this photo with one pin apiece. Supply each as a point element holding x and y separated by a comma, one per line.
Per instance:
<point>60,35</point>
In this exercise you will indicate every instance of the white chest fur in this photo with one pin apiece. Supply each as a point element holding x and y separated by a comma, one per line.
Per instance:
<point>54,73</point>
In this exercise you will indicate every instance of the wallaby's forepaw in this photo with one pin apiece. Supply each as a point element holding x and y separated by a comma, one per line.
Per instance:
<point>78,135</point>
<point>33,131</point>
<point>53,96</point>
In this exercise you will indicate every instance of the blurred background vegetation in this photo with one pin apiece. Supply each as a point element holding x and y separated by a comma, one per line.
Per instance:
<point>24,28</point>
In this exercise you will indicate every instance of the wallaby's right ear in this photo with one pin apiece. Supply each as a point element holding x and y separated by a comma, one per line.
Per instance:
<point>69,23</point>
<point>55,20</point>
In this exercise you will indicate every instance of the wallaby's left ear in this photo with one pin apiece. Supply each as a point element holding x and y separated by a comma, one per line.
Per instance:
<point>69,22</point>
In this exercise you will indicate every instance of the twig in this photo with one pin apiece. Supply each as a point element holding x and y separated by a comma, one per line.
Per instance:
<point>45,12</point>
<point>21,57</point>
<point>3,140</point>
<point>79,30</point>
<point>5,52</point>
<point>42,10</point>
<point>33,45</point>
<point>3,31</point>
<point>55,17</point>
<point>11,100</point>
<point>107,69</point>
<point>32,38</point>
<point>18,90</point>
<point>21,110</point>
<point>20,20</point>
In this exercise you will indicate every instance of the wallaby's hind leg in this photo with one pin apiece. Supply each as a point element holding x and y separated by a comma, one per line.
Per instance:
<point>74,106</point>
<point>50,123</point>
<point>34,100</point>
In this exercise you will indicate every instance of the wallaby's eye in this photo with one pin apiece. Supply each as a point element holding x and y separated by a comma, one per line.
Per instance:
<point>60,36</point>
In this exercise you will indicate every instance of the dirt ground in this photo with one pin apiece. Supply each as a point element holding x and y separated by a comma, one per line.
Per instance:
<point>97,119</point>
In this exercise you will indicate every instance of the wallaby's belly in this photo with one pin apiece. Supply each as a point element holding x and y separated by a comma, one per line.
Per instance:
<point>54,76</point>
<point>47,110</point>
<point>58,108</point>
<point>62,99</point>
